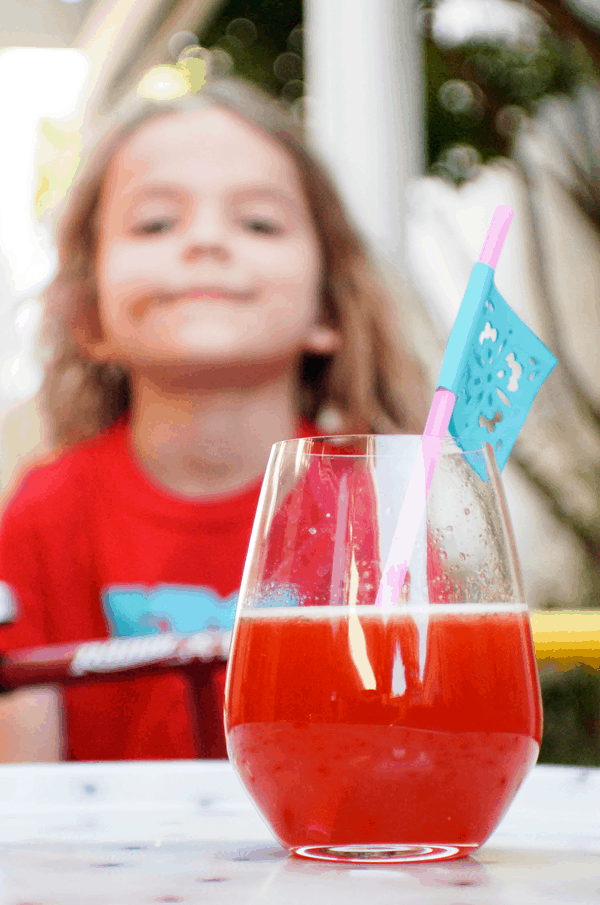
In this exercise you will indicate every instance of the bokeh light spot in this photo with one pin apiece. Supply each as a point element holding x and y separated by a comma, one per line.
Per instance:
<point>221,62</point>
<point>194,71</point>
<point>242,30</point>
<point>292,90</point>
<point>163,83</point>
<point>288,66</point>
<point>296,39</point>
<point>179,41</point>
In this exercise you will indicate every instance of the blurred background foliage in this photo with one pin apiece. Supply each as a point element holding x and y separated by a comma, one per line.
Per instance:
<point>264,41</point>
<point>571,716</point>
<point>478,93</point>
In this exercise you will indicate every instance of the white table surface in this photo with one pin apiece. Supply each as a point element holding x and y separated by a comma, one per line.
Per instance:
<point>185,831</point>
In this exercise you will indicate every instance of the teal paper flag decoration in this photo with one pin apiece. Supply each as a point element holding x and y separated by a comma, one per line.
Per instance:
<point>496,373</point>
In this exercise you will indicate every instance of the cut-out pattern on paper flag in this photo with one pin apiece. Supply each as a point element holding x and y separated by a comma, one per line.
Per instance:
<point>505,367</point>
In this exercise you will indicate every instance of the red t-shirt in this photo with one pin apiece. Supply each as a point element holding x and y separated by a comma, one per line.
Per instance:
<point>91,548</point>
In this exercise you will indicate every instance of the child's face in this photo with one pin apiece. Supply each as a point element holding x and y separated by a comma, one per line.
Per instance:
<point>207,253</point>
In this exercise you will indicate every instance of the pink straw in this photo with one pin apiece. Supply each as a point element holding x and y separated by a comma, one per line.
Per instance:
<point>413,507</point>
<point>496,235</point>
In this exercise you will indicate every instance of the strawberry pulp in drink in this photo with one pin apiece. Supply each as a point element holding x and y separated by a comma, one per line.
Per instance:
<point>353,725</point>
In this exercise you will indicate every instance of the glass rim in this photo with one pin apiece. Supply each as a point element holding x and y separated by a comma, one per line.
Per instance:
<point>450,445</point>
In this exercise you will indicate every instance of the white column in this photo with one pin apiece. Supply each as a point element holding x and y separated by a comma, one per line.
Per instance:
<point>365,109</point>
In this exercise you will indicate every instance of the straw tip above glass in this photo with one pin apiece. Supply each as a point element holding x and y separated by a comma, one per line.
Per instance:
<point>496,235</point>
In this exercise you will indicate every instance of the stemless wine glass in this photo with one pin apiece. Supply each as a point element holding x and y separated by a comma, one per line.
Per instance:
<point>381,733</point>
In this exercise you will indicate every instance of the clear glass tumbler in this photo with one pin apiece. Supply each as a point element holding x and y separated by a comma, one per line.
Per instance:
<point>381,733</point>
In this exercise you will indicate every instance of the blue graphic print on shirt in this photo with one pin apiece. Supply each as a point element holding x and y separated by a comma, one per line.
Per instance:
<point>137,610</point>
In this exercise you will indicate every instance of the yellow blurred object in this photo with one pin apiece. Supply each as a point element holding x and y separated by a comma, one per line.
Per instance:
<point>58,155</point>
<point>194,72</point>
<point>163,83</point>
<point>567,637</point>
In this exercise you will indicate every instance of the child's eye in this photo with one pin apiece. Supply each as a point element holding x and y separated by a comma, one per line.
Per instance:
<point>153,227</point>
<point>263,226</point>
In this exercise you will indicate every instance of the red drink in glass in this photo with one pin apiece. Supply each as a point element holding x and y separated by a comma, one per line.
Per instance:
<point>393,732</point>
<point>356,726</point>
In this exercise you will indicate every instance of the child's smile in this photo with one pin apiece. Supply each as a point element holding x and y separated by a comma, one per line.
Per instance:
<point>192,294</point>
<point>207,253</point>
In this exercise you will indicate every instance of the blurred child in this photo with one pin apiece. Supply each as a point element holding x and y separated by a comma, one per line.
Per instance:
<point>211,299</point>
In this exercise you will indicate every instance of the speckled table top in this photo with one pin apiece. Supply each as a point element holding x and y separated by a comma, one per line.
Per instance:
<point>133,833</point>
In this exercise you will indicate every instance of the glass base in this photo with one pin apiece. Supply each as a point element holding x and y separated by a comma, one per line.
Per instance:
<point>384,854</point>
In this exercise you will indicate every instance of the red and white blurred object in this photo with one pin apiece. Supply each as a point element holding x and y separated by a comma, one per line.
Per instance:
<point>68,664</point>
